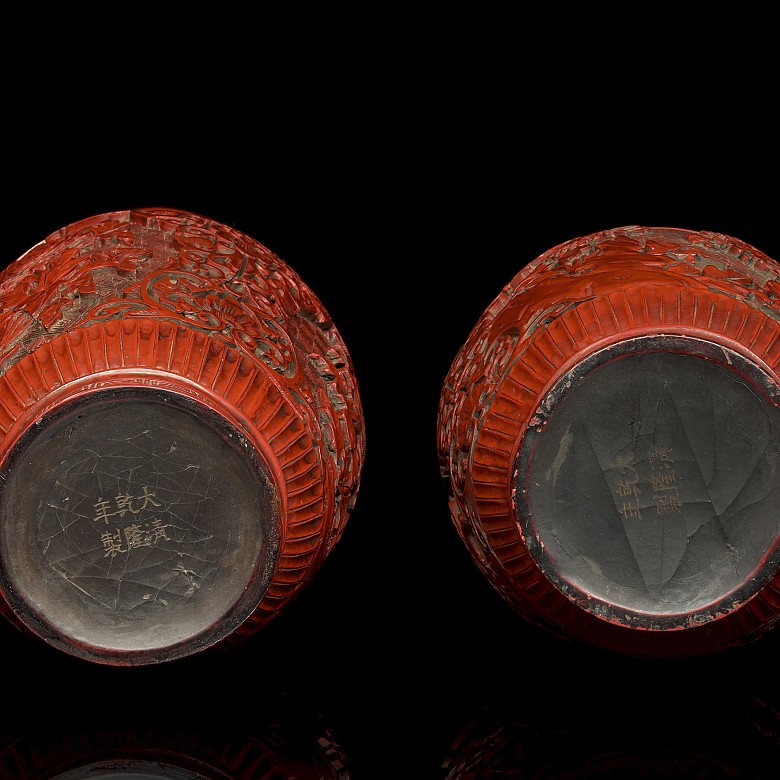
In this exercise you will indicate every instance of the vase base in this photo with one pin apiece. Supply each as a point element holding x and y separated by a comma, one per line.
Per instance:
<point>140,526</point>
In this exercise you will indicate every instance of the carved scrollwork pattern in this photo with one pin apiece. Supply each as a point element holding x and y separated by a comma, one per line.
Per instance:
<point>583,269</point>
<point>579,297</point>
<point>197,290</point>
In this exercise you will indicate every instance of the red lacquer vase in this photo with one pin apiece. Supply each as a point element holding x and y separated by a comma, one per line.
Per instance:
<point>609,436</point>
<point>181,436</point>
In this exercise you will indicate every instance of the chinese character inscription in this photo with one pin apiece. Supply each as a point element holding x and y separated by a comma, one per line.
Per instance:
<point>660,494</point>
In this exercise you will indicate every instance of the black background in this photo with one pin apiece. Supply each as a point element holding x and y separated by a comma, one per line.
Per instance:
<point>406,169</point>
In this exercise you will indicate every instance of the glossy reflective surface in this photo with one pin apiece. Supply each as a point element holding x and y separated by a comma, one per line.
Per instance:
<point>461,690</point>
<point>406,203</point>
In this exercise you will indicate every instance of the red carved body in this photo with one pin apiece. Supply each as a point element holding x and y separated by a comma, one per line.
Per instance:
<point>627,563</point>
<point>201,316</point>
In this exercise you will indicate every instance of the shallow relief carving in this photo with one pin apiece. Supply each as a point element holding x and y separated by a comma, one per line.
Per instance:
<point>165,321</point>
<point>547,337</point>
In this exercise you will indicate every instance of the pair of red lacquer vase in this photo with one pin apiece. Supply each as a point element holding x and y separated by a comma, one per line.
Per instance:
<point>182,439</point>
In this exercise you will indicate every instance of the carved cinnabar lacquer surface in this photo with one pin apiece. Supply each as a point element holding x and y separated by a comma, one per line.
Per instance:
<point>181,436</point>
<point>609,436</point>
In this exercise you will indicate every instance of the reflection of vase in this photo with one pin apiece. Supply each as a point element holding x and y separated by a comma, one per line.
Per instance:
<point>708,738</point>
<point>608,432</point>
<point>294,744</point>
<point>182,436</point>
